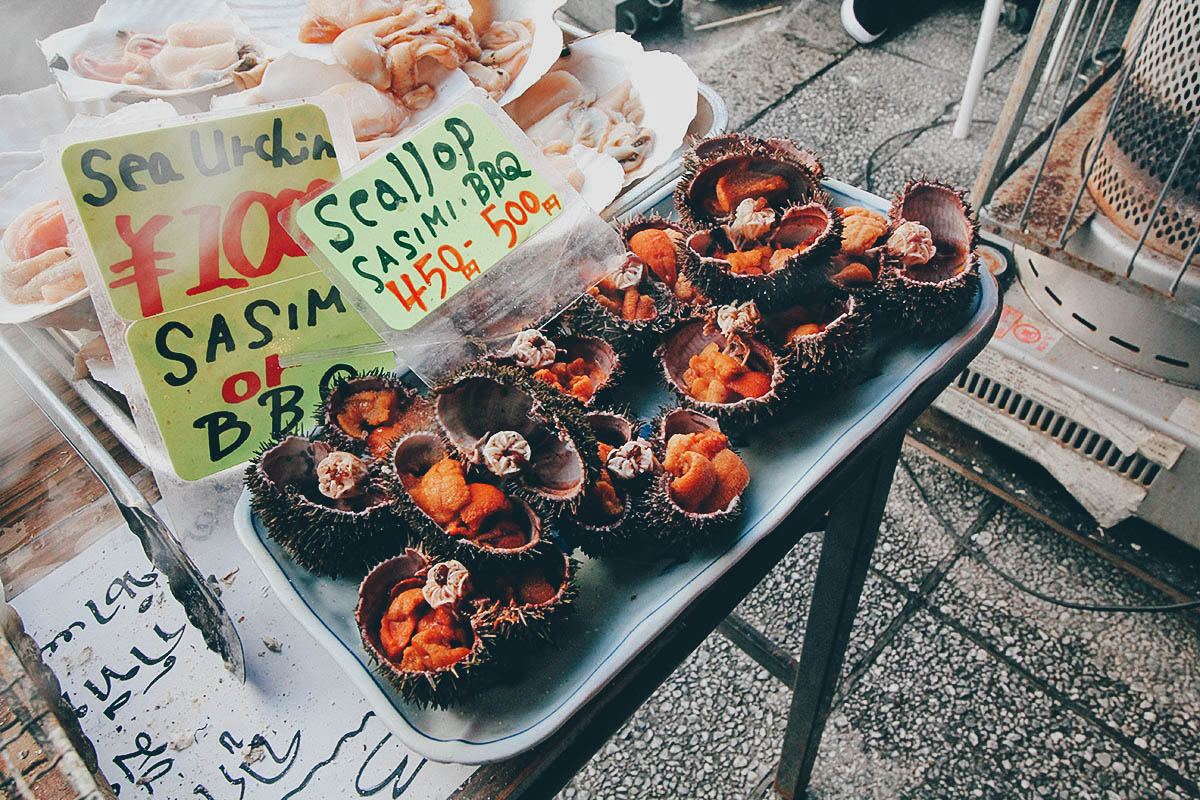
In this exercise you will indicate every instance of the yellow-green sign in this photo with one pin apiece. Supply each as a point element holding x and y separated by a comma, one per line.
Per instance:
<point>184,225</point>
<point>410,230</point>
<point>213,374</point>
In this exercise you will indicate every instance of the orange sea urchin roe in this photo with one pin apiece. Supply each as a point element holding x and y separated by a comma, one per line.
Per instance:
<point>381,439</point>
<point>523,589</point>
<point>442,491</point>
<point>734,187</point>
<point>750,262</point>
<point>715,377</point>
<point>628,304</point>
<point>656,247</point>
<point>763,259</point>
<point>707,474</point>
<point>854,274</point>
<point>478,512</point>
<point>362,411</point>
<point>601,501</point>
<point>423,638</point>
<point>861,228</point>
<point>577,378</point>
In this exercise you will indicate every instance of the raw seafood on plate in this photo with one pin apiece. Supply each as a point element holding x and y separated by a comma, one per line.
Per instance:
<point>460,512</point>
<point>611,517</point>
<point>761,227</point>
<point>612,96</point>
<point>724,367</point>
<point>417,621</point>
<point>505,421</point>
<point>773,259</point>
<point>929,257</point>
<point>856,267</point>
<point>405,49</point>
<point>578,366</point>
<point>721,171</point>
<point>409,53</point>
<point>399,43</point>
<point>521,603</point>
<point>375,116</point>
<point>369,412</point>
<point>658,242</point>
<point>438,630</point>
<point>825,340</point>
<point>626,307</point>
<point>38,263</point>
<point>142,48</point>
<point>519,40</point>
<point>188,55</point>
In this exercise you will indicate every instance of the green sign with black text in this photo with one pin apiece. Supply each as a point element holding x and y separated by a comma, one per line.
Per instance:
<point>411,229</point>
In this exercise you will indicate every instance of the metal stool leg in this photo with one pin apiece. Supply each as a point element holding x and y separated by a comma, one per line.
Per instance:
<point>983,45</point>
<point>845,554</point>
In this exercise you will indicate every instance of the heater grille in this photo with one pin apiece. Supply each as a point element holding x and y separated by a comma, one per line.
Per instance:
<point>1149,135</point>
<point>1068,432</point>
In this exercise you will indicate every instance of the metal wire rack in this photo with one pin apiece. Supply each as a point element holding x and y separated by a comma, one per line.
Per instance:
<point>1094,175</point>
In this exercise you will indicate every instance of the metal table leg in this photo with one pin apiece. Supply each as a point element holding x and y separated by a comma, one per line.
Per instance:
<point>845,554</point>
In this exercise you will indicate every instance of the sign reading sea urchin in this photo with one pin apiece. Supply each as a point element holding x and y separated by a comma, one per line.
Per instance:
<point>196,276</point>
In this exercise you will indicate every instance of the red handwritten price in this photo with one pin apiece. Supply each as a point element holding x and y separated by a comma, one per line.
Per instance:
<point>518,214</point>
<point>451,259</point>
<point>218,233</point>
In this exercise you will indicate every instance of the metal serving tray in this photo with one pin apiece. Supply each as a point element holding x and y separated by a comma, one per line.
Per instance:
<point>622,606</point>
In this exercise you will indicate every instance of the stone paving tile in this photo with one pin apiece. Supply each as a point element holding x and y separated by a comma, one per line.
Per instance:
<point>713,730</point>
<point>773,54</point>
<point>912,541</point>
<point>936,716</point>
<point>1138,673</point>
<point>819,23</point>
<point>934,153</point>
<point>770,66</point>
<point>696,47</point>
<point>853,107</point>
<point>779,605</point>
<point>943,37</point>
<point>956,499</point>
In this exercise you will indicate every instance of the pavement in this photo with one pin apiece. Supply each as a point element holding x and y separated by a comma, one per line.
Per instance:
<point>956,684</point>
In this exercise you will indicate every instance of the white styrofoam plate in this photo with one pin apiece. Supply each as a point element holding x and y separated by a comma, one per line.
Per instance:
<point>277,22</point>
<point>135,16</point>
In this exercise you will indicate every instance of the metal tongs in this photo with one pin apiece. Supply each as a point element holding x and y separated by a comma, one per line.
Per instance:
<point>201,604</point>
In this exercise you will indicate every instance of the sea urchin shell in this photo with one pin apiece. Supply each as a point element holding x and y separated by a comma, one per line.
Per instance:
<point>433,656</point>
<point>934,295</point>
<point>328,534</point>
<point>708,373</point>
<point>698,496</point>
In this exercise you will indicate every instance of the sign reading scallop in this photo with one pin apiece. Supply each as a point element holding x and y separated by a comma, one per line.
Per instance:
<point>413,228</point>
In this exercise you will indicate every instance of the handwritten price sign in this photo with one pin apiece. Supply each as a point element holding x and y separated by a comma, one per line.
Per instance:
<point>415,227</point>
<point>184,225</point>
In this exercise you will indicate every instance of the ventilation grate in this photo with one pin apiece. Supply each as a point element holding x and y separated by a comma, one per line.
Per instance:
<point>1068,432</point>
